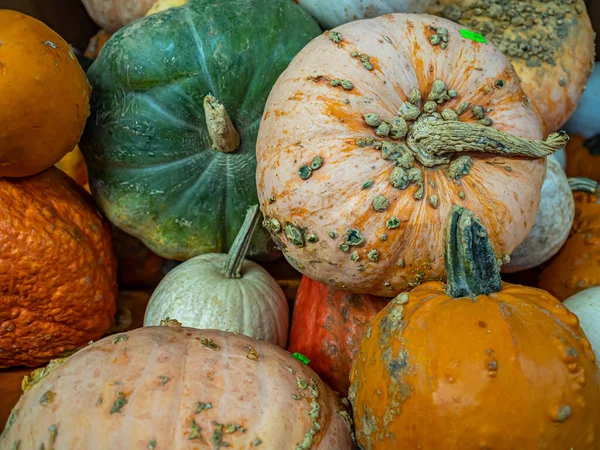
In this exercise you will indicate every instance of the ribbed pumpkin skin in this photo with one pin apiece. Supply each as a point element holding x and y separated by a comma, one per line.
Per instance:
<point>327,327</point>
<point>57,269</point>
<point>583,157</point>
<point>257,395</point>
<point>152,167</point>
<point>113,15</point>
<point>498,369</point>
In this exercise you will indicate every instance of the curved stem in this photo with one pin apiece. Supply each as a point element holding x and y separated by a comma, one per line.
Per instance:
<point>223,134</point>
<point>237,253</point>
<point>469,257</point>
<point>584,185</point>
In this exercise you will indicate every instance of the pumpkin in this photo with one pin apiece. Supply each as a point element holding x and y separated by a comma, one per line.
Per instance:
<point>586,117</point>
<point>175,387</point>
<point>178,176</point>
<point>10,391</point>
<point>96,44</point>
<point>552,223</point>
<point>358,201</point>
<point>73,165</point>
<point>508,366</point>
<point>577,266</point>
<point>45,96</point>
<point>583,157</point>
<point>57,269</point>
<point>224,292</point>
<point>549,42</point>
<point>112,15</point>
<point>327,327</point>
<point>586,306</point>
<point>161,5</point>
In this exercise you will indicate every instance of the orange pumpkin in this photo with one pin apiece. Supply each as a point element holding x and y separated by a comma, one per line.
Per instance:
<point>327,327</point>
<point>576,267</point>
<point>74,166</point>
<point>358,201</point>
<point>476,363</point>
<point>57,269</point>
<point>96,43</point>
<point>549,42</point>
<point>112,15</point>
<point>583,157</point>
<point>44,99</point>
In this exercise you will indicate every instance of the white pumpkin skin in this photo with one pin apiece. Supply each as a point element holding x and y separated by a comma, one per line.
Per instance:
<point>198,295</point>
<point>586,118</point>
<point>331,14</point>
<point>586,306</point>
<point>552,225</point>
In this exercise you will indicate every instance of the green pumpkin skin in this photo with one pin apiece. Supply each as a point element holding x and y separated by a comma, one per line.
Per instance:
<point>152,169</point>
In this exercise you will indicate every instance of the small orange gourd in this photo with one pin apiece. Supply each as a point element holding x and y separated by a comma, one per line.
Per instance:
<point>583,157</point>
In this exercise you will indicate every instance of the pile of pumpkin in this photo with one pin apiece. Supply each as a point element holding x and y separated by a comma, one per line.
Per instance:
<point>399,163</point>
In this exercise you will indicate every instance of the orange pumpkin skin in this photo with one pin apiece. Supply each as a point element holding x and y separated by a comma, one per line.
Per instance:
<point>96,43</point>
<point>514,360</point>
<point>577,265</point>
<point>45,96</point>
<point>327,327</point>
<point>73,165</point>
<point>57,269</point>
<point>583,157</point>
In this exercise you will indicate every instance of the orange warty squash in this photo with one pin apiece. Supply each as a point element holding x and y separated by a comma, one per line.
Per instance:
<point>583,157</point>
<point>112,15</point>
<point>576,267</point>
<point>96,43</point>
<point>44,99</point>
<point>475,364</point>
<point>73,165</point>
<point>399,129</point>
<point>57,269</point>
<point>327,327</point>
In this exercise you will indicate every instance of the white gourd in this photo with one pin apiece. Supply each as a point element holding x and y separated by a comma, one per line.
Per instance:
<point>586,306</point>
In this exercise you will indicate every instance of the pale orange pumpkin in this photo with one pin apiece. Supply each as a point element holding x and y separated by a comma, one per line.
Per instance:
<point>369,220</point>
<point>113,15</point>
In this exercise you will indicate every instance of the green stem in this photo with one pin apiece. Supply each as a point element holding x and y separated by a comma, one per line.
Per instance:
<point>584,185</point>
<point>469,257</point>
<point>237,253</point>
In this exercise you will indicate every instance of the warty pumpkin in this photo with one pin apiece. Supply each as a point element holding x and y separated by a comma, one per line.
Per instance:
<point>57,269</point>
<point>586,117</point>
<point>475,363</point>
<point>583,157</point>
<point>586,306</point>
<point>577,265</point>
<point>224,292</point>
<point>356,152</point>
<point>328,326</point>
<point>45,96</point>
<point>176,166</point>
<point>179,388</point>
<point>112,15</point>
<point>73,165</point>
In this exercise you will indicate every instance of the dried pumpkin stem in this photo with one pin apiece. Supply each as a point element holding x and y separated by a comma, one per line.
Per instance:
<point>584,185</point>
<point>469,257</point>
<point>223,134</point>
<point>434,141</point>
<point>237,253</point>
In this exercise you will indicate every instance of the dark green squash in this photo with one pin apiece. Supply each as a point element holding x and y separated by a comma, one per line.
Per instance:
<point>153,169</point>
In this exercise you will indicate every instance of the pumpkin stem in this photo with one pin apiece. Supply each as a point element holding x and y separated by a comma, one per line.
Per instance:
<point>584,185</point>
<point>434,141</point>
<point>237,253</point>
<point>469,257</point>
<point>223,134</point>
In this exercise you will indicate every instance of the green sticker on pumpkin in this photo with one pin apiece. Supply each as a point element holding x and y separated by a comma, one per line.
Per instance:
<point>300,357</point>
<point>468,34</point>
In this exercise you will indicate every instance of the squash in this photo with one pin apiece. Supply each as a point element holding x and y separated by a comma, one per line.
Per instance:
<point>327,327</point>
<point>57,269</point>
<point>176,175</point>
<point>552,223</point>
<point>161,5</point>
<point>361,211</point>
<point>549,42</point>
<point>96,44</point>
<point>586,306</point>
<point>45,96</point>
<point>583,157</point>
<point>112,15</point>
<point>171,387</point>
<point>586,117</point>
<point>577,266</point>
<point>73,165</point>
<point>508,366</point>
<point>224,292</point>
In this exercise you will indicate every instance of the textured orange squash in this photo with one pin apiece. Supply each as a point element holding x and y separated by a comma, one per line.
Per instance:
<point>96,43</point>
<point>583,157</point>
<point>327,327</point>
<point>44,96</point>
<point>57,269</point>
<point>73,165</point>
<point>475,364</point>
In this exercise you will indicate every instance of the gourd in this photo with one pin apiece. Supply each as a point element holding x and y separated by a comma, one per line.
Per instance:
<point>45,96</point>
<point>576,267</point>
<point>214,389</point>
<point>583,157</point>
<point>73,165</point>
<point>549,42</point>
<point>586,306</point>
<point>224,292</point>
<point>112,15</point>
<point>552,223</point>
<point>586,117</point>
<point>57,269</point>
<point>358,201</point>
<point>327,327</point>
<point>175,168</point>
<point>470,353</point>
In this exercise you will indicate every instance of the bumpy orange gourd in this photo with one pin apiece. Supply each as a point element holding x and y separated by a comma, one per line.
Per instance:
<point>57,269</point>
<point>44,96</point>
<point>327,327</point>
<point>73,165</point>
<point>583,157</point>
<point>577,265</point>
<point>113,15</point>
<point>475,364</point>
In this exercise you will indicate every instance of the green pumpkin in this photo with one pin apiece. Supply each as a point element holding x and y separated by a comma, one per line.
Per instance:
<point>154,169</point>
